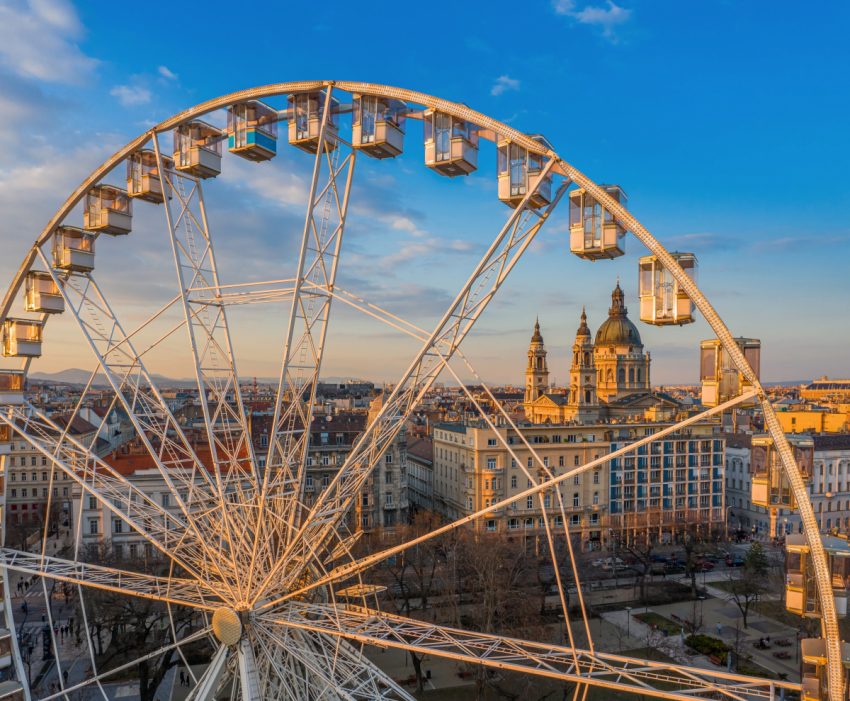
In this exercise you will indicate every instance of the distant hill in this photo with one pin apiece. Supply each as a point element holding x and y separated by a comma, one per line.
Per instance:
<point>76,376</point>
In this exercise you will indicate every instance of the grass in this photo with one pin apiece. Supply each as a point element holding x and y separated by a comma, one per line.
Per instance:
<point>707,645</point>
<point>660,622</point>
<point>777,611</point>
<point>723,584</point>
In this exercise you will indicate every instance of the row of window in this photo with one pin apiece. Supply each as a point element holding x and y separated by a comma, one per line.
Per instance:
<point>14,476</point>
<point>530,522</point>
<point>25,492</point>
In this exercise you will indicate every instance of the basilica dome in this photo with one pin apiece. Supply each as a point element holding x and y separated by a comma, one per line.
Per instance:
<point>617,330</point>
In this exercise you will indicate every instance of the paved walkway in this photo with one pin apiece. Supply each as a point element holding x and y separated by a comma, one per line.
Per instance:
<point>720,619</point>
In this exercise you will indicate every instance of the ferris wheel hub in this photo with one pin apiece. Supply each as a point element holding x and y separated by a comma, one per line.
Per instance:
<point>227,626</point>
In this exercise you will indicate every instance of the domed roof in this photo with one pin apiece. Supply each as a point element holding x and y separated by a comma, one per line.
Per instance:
<point>583,329</point>
<point>617,330</point>
<point>537,337</point>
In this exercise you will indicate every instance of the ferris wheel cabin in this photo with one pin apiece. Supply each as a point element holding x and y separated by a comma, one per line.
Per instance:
<point>252,130</point>
<point>197,149</point>
<point>11,390</point>
<point>520,171</point>
<point>720,379</point>
<point>662,301</point>
<point>378,126</point>
<point>594,233</point>
<point>73,249</point>
<point>143,176</point>
<point>22,338</point>
<point>42,294</point>
<point>305,121</point>
<point>108,211</point>
<point>770,486</point>
<point>813,652</point>
<point>800,587</point>
<point>451,144</point>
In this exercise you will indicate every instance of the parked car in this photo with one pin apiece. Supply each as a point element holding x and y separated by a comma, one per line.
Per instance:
<point>705,566</point>
<point>734,561</point>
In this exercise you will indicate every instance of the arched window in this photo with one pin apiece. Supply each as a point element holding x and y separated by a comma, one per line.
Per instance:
<point>587,396</point>
<point>610,375</point>
<point>631,376</point>
<point>621,376</point>
<point>639,373</point>
<point>587,358</point>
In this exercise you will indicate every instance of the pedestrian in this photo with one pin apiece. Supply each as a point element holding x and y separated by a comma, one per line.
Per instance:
<point>65,676</point>
<point>182,678</point>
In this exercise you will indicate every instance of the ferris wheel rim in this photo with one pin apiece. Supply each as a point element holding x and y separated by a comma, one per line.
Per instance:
<point>505,131</point>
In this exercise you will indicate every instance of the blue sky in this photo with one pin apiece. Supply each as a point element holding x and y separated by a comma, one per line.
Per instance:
<point>726,123</point>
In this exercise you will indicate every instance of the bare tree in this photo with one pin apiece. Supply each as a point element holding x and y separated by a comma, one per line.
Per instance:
<point>749,586</point>
<point>124,628</point>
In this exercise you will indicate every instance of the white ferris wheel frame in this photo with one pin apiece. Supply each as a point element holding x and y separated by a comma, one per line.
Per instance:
<point>303,629</point>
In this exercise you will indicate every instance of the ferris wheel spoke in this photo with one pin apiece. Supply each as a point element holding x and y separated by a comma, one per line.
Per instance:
<point>102,676</point>
<point>283,674</point>
<point>209,335</point>
<point>342,572</point>
<point>615,672</point>
<point>211,680</point>
<point>318,260</point>
<point>183,592</point>
<point>492,270</point>
<point>163,530</point>
<point>174,456</point>
<point>226,423</point>
<point>543,497</point>
<point>341,667</point>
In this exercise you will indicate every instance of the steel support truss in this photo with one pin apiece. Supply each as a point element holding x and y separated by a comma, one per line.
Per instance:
<point>188,480</point>
<point>173,590</point>
<point>318,259</point>
<point>609,671</point>
<point>519,231</point>
<point>224,414</point>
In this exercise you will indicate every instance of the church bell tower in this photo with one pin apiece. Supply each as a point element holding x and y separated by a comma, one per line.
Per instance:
<point>537,372</point>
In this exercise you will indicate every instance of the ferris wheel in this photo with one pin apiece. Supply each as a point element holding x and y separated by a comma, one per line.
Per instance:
<point>281,598</point>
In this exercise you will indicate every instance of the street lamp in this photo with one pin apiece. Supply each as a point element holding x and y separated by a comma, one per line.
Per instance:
<point>726,520</point>
<point>628,621</point>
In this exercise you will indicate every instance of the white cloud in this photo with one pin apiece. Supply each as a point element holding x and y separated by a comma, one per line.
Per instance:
<point>277,184</point>
<point>37,40</point>
<point>166,73</point>
<point>605,18</point>
<point>131,95</point>
<point>503,84</point>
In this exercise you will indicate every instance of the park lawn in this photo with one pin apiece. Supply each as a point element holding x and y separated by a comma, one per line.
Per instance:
<point>725,585</point>
<point>777,611</point>
<point>660,622</point>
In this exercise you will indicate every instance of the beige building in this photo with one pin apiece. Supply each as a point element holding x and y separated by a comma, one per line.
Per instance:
<point>654,494</point>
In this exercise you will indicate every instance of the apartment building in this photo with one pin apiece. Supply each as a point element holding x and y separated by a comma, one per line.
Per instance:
<point>656,494</point>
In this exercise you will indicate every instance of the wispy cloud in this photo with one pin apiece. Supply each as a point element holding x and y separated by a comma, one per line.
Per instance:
<point>503,84</point>
<point>167,73</point>
<point>608,18</point>
<point>701,242</point>
<point>38,40</point>
<point>131,95</point>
